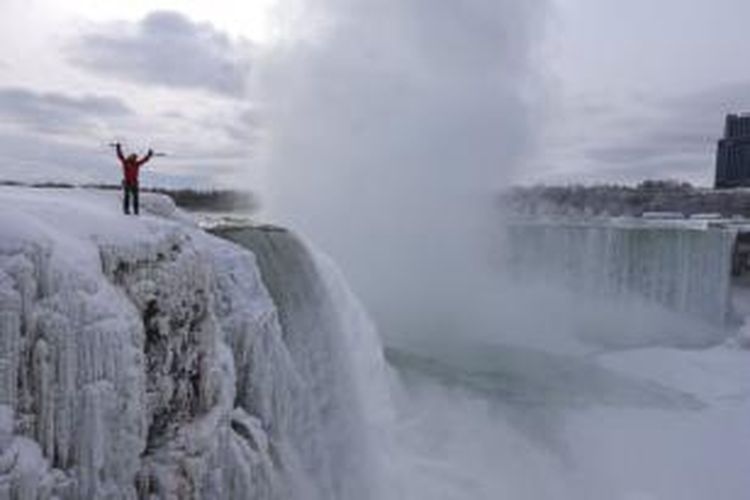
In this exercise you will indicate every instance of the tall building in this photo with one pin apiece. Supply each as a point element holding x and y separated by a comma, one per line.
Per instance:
<point>733,154</point>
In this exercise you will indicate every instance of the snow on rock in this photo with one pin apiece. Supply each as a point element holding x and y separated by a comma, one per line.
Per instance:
<point>143,358</point>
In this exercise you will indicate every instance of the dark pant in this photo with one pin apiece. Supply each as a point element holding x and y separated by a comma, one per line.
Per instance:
<point>130,191</point>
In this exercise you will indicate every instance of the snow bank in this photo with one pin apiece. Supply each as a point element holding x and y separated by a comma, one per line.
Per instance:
<point>143,358</point>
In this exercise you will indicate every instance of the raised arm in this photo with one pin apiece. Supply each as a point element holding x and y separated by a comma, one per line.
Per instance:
<point>118,148</point>
<point>146,158</point>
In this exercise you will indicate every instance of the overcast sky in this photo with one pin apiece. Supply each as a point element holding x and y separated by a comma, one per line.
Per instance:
<point>640,88</point>
<point>633,89</point>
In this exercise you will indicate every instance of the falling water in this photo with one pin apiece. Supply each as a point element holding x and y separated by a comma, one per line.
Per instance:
<point>337,356</point>
<point>685,269</point>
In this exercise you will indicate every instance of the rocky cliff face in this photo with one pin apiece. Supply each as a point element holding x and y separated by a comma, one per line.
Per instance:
<point>145,359</point>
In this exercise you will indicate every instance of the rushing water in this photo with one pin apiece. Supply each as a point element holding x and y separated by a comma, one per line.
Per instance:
<point>684,268</point>
<point>457,417</point>
<point>338,359</point>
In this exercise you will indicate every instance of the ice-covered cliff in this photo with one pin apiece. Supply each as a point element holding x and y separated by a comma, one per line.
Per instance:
<point>144,358</point>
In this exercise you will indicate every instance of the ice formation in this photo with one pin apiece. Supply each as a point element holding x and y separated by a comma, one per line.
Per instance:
<point>144,358</point>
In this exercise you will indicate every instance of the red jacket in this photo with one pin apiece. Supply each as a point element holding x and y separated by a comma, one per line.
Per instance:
<point>131,165</point>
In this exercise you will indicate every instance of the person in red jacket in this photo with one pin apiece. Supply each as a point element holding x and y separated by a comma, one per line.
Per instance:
<point>130,167</point>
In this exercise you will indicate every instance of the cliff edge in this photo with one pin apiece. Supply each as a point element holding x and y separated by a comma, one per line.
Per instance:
<point>142,358</point>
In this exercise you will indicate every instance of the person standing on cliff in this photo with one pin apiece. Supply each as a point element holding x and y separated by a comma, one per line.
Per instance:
<point>130,167</point>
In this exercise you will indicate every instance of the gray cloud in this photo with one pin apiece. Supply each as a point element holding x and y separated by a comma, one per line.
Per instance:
<point>58,137</point>
<point>43,158</point>
<point>55,137</point>
<point>244,127</point>
<point>660,137</point>
<point>652,147</point>
<point>39,158</point>
<point>55,112</point>
<point>714,101</point>
<point>629,154</point>
<point>166,48</point>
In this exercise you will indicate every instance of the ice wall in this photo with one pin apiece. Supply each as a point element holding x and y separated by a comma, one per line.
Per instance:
<point>685,268</point>
<point>143,358</point>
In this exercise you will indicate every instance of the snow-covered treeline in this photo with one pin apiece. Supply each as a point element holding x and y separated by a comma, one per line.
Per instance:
<point>613,199</point>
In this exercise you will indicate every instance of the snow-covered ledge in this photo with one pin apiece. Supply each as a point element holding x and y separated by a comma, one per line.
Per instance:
<point>119,338</point>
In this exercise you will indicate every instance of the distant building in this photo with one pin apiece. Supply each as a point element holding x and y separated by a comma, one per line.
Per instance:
<point>733,154</point>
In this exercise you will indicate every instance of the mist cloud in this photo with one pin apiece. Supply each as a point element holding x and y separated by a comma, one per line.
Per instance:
<point>389,133</point>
